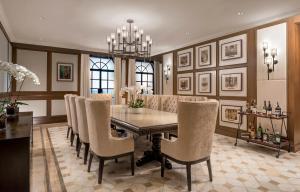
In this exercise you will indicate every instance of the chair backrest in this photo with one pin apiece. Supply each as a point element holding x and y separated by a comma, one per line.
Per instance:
<point>168,103</point>
<point>73,113</point>
<point>98,125</point>
<point>82,119</point>
<point>196,127</point>
<point>101,96</point>
<point>153,102</point>
<point>68,109</point>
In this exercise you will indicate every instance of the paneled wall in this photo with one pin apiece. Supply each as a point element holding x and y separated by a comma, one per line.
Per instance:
<point>46,100</point>
<point>167,84</point>
<point>5,53</point>
<point>284,85</point>
<point>275,89</point>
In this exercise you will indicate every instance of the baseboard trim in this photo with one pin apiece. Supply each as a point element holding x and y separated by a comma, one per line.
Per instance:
<point>48,120</point>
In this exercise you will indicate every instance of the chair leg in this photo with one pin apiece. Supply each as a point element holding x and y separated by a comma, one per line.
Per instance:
<point>68,132</point>
<point>101,165</point>
<point>86,152</point>
<point>72,137</point>
<point>189,179</point>
<point>162,169</point>
<point>116,160</point>
<point>132,163</point>
<point>78,149</point>
<point>77,142</point>
<point>209,169</point>
<point>90,161</point>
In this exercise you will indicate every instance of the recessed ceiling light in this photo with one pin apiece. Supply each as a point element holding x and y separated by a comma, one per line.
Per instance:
<point>187,33</point>
<point>240,13</point>
<point>42,18</point>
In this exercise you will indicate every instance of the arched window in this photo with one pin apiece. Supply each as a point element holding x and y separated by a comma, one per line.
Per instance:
<point>102,75</point>
<point>145,74</point>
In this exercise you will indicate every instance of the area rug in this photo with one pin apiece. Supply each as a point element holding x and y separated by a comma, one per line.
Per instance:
<point>242,168</point>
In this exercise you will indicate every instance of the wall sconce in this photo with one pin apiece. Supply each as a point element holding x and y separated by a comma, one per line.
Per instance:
<point>269,60</point>
<point>167,71</point>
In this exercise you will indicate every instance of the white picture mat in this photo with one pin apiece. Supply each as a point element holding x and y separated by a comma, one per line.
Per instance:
<point>213,83</point>
<point>191,67</point>
<point>188,75</point>
<point>232,103</point>
<point>242,60</point>
<point>242,93</point>
<point>213,55</point>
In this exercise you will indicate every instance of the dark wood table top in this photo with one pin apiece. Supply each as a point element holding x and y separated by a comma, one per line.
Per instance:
<point>17,127</point>
<point>148,121</point>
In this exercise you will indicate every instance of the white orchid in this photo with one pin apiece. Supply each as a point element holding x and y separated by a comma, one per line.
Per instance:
<point>18,72</point>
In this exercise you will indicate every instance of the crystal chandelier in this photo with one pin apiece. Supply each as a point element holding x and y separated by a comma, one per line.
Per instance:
<point>128,42</point>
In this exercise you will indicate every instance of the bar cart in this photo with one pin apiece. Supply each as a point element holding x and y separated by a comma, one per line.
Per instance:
<point>284,141</point>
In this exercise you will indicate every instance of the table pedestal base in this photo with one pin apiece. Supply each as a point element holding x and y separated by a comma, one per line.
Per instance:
<point>155,154</point>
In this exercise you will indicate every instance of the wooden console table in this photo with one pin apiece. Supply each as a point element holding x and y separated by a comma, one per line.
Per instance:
<point>284,141</point>
<point>15,153</point>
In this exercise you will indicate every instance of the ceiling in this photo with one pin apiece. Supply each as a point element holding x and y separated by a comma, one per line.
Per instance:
<point>84,24</point>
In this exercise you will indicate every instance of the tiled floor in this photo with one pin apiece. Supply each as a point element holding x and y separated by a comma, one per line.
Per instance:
<point>242,168</point>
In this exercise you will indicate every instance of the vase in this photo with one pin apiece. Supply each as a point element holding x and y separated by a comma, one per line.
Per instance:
<point>12,111</point>
<point>2,123</point>
<point>136,110</point>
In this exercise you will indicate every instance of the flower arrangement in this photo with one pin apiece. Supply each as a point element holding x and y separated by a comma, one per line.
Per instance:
<point>19,73</point>
<point>135,93</point>
<point>2,116</point>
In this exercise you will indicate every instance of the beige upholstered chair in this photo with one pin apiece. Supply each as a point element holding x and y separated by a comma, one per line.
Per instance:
<point>82,126</point>
<point>68,113</point>
<point>196,127</point>
<point>153,102</point>
<point>74,121</point>
<point>102,144</point>
<point>168,103</point>
<point>101,96</point>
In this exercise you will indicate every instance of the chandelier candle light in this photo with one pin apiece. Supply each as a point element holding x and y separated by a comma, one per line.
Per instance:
<point>128,41</point>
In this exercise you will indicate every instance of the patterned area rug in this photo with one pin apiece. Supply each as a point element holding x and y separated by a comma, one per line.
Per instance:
<point>242,168</point>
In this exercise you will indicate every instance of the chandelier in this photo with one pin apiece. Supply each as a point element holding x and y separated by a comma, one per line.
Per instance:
<point>128,42</point>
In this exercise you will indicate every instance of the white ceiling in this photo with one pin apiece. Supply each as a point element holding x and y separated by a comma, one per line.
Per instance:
<point>84,24</point>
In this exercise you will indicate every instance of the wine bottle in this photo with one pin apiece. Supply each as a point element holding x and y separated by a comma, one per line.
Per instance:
<point>278,110</point>
<point>269,109</point>
<point>253,106</point>
<point>265,107</point>
<point>265,136</point>
<point>259,132</point>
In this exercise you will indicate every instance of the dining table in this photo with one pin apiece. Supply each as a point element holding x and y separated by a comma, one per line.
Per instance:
<point>145,121</point>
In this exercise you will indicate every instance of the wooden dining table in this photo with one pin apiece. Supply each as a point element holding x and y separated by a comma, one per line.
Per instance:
<point>144,122</point>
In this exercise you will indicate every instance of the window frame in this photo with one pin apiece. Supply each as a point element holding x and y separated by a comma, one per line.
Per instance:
<point>100,70</point>
<point>142,73</point>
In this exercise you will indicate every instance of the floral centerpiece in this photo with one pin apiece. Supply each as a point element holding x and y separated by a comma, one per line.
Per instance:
<point>135,96</point>
<point>20,74</point>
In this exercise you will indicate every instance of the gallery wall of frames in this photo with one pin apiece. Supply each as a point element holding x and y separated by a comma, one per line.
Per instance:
<point>228,69</point>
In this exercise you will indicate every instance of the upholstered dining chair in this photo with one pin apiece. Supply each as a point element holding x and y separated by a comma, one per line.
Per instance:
<point>82,127</point>
<point>69,121</point>
<point>74,121</point>
<point>196,127</point>
<point>153,102</point>
<point>102,144</point>
<point>101,96</point>
<point>168,103</point>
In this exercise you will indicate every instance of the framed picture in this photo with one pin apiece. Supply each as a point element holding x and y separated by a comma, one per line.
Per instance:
<point>229,113</point>
<point>232,82</point>
<point>64,72</point>
<point>185,83</point>
<point>204,83</point>
<point>204,54</point>
<point>185,60</point>
<point>233,50</point>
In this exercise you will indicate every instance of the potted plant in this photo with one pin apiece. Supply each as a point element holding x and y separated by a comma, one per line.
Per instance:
<point>2,117</point>
<point>136,105</point>
<point>20,74</point>
<point>11,105</point>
